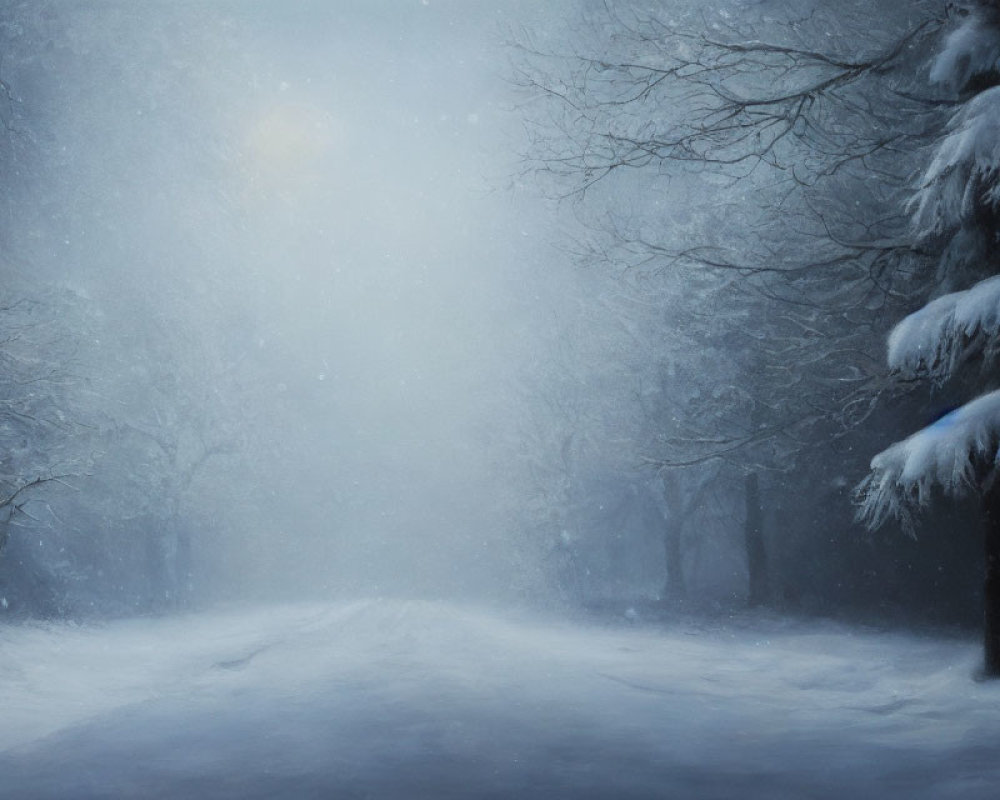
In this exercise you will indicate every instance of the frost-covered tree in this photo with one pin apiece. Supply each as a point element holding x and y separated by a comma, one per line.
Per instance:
<point>956,210</point>
<point>758,159</point>
<point>46,443</point>
<point>752,164</point>
<point>143,373</point>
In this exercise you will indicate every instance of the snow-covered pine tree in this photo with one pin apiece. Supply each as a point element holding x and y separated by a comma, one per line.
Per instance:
<point>956,209</point>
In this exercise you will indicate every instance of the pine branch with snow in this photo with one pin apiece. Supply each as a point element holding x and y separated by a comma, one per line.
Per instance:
<point>947,455</point>
<point>962,177</point>
<point>970,50</point>
<point>948,330</point>
<point>961,182</point>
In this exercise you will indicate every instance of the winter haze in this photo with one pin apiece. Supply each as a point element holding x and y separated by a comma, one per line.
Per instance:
<point>295,217</point>
<point>459,399</point>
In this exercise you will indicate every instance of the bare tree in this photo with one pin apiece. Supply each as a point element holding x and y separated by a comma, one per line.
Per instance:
<point>757,169</point>
<point>798,152</point>
<point>46,428</point>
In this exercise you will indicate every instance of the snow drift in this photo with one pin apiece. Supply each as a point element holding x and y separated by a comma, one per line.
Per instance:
<point>412,700</point>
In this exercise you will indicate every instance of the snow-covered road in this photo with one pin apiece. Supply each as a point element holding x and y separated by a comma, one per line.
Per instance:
<point>419,700</point>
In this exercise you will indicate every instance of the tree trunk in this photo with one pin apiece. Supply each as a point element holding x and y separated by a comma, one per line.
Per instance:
<point>182,567</point>
<point>754,536</point>
<point>674,589</point>
<point>991,583</point>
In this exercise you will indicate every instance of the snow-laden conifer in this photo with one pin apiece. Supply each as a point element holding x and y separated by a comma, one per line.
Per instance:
<point>956,201</point>
<point>962,177</point>
<point>971,49</point>
<point>946,455</point>
<point>938,336</point>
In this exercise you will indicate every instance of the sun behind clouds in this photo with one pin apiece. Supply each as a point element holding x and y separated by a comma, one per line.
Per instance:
<point>287,148</point>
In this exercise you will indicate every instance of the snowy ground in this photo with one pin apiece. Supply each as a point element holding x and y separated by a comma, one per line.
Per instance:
<point>419,700</point>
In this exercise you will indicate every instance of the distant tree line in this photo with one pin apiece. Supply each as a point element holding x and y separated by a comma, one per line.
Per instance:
<point>115,428</point>
<point>751,174</point>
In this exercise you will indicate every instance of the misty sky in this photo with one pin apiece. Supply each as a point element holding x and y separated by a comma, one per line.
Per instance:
<point>316,199</point>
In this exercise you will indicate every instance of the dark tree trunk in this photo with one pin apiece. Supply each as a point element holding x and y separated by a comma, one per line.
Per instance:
<point>991,583</point>
<point>674,590</point>
<point>754,535</point>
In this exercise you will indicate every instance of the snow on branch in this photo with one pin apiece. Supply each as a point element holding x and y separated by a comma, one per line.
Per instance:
<point>962,177</point>
<point>939,335</point>
<point>946,455</point>
<point>971,49</point>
